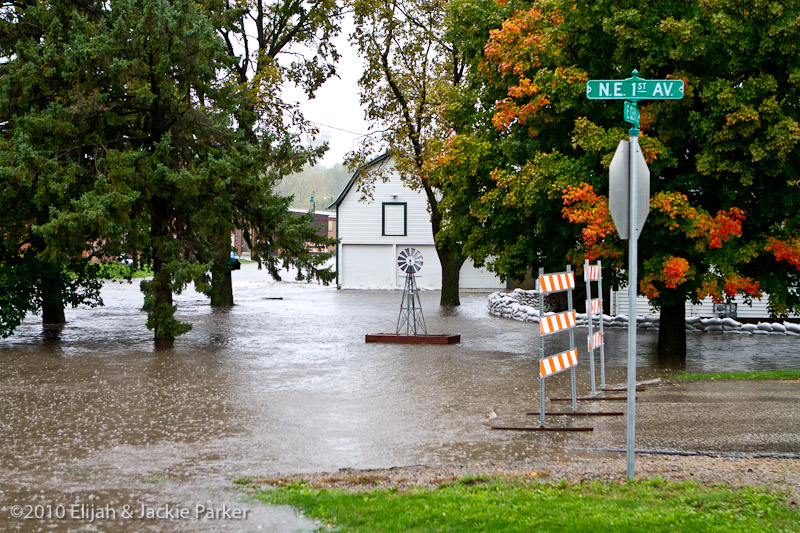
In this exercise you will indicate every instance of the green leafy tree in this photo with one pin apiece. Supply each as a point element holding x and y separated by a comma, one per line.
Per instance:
<point>270,44</point>
<point>122,134</point>
<point>46,161</point>
<point>411,69</point>
<point>160,123</point>
<point>723,160</point>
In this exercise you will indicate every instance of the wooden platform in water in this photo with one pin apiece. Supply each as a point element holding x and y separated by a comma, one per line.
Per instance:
<point>542,428</point>
<point>393,338</point>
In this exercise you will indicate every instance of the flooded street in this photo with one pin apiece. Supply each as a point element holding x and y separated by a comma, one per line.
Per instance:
<point>282,383</point>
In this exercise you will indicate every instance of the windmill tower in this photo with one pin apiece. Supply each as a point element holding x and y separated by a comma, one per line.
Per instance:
<point>411,320</point>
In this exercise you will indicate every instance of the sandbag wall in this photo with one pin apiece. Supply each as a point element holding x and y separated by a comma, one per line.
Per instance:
<point>523,305</point>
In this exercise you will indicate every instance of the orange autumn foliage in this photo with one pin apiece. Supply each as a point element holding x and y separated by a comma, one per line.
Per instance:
<point>584,206</point>
<point>696,223</point>
<point>785,250</point>
<point>674,271</point>
<point>526,43</point>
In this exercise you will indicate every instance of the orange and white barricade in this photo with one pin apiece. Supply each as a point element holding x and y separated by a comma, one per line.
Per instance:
<point>554,323</point>
<point>556,363</point>
<point>595,341</point>
<point>557,282</point>
<point>593,272</point>
<point>594,309</point>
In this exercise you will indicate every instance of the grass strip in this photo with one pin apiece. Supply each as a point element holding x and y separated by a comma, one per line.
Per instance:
<point>517,504</point>
<point>123,271</point>
<point>768,374</point>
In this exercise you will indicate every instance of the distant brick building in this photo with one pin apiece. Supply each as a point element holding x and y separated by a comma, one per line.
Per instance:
<point>325,221</point>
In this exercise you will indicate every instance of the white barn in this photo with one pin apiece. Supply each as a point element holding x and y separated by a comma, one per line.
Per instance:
<point>373,232</point>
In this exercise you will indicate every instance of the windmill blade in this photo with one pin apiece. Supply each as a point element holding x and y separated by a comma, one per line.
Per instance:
<point>410,260</point>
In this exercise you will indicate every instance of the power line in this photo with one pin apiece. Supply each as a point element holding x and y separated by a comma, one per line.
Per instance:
<point>339,129</point>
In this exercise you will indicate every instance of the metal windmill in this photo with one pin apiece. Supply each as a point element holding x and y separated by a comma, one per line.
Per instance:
<point>411,319</point>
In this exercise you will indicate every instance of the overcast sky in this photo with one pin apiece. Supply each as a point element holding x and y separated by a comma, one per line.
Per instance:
<point>336,110</point>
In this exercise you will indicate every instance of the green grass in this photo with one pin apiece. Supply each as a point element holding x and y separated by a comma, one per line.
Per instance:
<point>156,478</point>
<point>123,271</point>
<point>516,504</point>
<point>769,374</point>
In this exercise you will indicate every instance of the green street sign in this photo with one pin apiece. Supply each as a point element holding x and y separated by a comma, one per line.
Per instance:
<point>634,89</point>
<point>631,114</point>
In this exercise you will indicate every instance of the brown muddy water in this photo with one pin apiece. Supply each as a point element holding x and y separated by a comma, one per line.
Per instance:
<point>100,424</point>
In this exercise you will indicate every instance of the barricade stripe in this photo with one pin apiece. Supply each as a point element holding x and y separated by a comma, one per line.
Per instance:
<point>595,305</point>
<point>552,323</point>
<point>595,341</point>
<point>557,282</point>
<point>594,273</point>
<point>556,363</point>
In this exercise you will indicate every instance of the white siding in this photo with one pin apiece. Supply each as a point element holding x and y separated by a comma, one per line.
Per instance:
<point>360,222</point>
<point>359,266</point>
<point>619,306</point>
<point>368,259</point>
<point>479,278</point>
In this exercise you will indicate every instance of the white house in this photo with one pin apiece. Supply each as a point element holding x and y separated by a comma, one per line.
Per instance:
<point>706,308</point>
<point>373,232</point>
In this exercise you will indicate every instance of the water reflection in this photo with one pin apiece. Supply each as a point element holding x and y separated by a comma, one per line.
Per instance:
<point>284,382</point>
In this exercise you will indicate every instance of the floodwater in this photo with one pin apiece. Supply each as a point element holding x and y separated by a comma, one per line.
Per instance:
<point>281,383</point>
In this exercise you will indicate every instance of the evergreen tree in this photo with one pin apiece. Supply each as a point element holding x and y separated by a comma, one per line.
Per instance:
<point>47,161</point>
<point>258,62</point>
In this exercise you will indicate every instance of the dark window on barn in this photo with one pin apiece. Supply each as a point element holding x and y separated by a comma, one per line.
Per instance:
<point>394,219</point>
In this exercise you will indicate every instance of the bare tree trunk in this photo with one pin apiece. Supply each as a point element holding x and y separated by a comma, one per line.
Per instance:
<point>672,336</point>
<point>160,319</point>
<point>52,300</point>
<point>221,280</point>
<point>451,270</point>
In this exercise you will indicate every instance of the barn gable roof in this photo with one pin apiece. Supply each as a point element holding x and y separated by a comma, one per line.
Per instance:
<point>377,160</point>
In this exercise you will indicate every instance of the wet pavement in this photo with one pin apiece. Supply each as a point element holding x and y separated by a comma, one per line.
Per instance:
<point>284,382</point>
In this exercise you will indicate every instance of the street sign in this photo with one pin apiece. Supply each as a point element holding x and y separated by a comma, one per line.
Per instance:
<point>618,189</point>
<point>629,201</point>
<point>634,89</point>
<point>631,114</point>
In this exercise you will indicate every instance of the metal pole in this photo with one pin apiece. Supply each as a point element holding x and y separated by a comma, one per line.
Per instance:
<point>590,319</point>
<point>572,347</point>
<point>602,333</point>
<point>402,307</point>
<point>412,307</point>
<point>541,348</point>
<point>633,236</point>
<point>420,317</point>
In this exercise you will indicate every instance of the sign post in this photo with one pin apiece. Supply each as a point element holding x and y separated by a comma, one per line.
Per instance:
<point>627,217</point>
